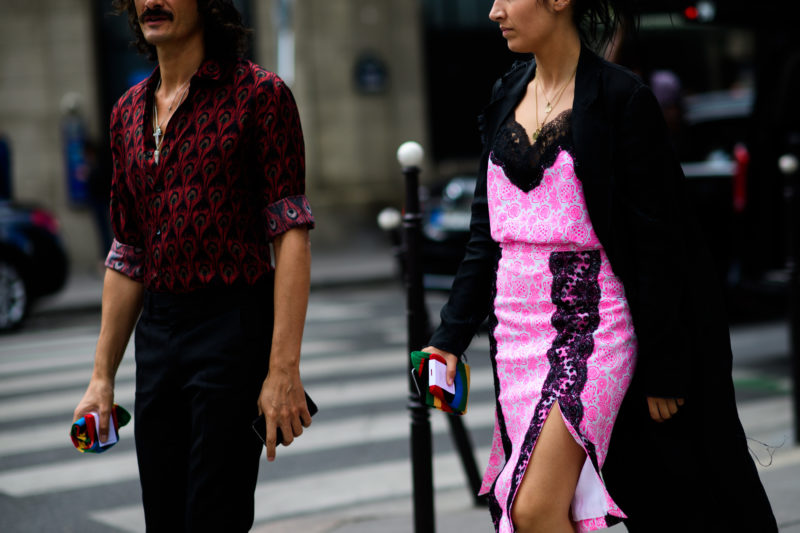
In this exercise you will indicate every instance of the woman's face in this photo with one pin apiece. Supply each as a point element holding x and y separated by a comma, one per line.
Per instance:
<point>526,24</point>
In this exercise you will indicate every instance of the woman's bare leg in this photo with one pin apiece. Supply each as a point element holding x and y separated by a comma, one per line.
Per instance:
<point>544,496</point>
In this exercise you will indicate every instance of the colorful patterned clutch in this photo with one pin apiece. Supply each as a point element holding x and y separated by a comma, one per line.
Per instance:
<point>429,376</point>
<point>85,431</point>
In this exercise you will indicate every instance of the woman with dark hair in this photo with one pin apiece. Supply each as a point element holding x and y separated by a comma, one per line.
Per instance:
<point>603,314</point>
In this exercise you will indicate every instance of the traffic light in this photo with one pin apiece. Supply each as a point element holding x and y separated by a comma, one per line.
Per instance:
<point>701,11</point>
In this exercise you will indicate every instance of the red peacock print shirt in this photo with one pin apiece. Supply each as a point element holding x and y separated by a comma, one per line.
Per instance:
<point>230,178</point>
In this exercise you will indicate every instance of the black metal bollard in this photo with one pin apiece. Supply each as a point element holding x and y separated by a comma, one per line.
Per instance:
<point>790,166</point>
<point>409,155</point>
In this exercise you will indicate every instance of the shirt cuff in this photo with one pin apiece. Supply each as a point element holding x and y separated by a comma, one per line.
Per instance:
<point>288,213</point>
<point>127,260</point>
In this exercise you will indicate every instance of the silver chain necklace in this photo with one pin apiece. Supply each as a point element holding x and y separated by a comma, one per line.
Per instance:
<point>157,132</point>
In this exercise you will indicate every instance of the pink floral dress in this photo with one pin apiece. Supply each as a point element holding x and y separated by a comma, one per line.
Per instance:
<point>563,330</point>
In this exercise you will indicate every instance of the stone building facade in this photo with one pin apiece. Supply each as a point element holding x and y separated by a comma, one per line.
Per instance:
<point>355,67</point>
<point>46,58</point>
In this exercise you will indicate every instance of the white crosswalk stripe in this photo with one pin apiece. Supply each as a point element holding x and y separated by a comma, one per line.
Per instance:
<point>277,499</point>
<point>43,376</point>
<point>89,471</point>
<point>334,395</point>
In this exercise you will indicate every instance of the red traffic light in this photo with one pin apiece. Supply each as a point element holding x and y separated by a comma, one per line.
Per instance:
<point>700,11</point>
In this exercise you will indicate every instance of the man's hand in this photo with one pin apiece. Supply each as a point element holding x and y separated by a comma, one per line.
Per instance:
<point>452,362</point>
<point>662,409</point>
<point>282,399</point>
<point>99,397</point>
<point>122,302</point>
<point>283,403</point>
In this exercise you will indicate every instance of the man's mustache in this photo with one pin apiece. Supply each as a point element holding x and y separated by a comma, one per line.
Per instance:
<point>147,13</point>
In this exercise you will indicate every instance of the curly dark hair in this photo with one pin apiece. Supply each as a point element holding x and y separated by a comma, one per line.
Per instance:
<point>224,33</point>
<point>597,20</point>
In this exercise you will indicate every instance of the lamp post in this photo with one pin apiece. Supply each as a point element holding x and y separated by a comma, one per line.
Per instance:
<point>409,155</point>
<point>789,166</point>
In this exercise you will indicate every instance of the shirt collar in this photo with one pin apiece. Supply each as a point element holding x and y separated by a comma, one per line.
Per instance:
<point>210,70</point>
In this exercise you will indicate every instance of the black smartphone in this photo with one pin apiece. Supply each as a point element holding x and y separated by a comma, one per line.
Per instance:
<point>260,424</point>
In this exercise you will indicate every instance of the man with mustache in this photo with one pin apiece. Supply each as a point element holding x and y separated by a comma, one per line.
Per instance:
<point>208,171</point>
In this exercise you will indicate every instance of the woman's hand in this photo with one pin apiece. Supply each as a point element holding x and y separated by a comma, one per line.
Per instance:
<point>451,359</point>
<point>662,409</point>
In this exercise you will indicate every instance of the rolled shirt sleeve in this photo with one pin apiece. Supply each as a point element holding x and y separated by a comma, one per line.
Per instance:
<point>126,259</point>
<point>126,255</point>
<point>281,156</point>
<point>288,213</point>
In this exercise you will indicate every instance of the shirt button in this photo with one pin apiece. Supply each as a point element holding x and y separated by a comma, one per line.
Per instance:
<point>158,232</point>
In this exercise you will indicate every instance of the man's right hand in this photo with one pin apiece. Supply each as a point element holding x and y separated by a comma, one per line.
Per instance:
<point>99,397</point>
<point>452,362</point>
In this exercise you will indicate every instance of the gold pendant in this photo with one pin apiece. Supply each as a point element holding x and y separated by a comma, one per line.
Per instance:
<point>536,134</point>
<point>548,108</point>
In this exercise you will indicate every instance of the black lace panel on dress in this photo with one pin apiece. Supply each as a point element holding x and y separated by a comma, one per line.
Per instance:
<point>524,163</point>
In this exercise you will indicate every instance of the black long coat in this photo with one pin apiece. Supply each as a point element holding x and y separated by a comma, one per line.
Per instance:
<point>661,475</point>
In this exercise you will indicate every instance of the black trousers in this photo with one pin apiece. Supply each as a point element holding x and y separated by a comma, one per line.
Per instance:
<point>200,361</point>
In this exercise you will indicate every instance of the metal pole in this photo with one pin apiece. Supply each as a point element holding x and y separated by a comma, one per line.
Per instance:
<point>464,445</point>
<point>410,157</point>
<point>790,167</point>
<point>794,305</point>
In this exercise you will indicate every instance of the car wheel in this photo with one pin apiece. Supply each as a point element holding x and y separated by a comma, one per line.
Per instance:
<point>13,296</point>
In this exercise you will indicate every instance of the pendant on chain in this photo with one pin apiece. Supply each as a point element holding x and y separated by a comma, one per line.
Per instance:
<point>157,135</point>
<point>548,108</point>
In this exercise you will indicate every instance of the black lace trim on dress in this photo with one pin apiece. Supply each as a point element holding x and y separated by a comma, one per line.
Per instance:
<point>576,295</point>
<point>524,163</point>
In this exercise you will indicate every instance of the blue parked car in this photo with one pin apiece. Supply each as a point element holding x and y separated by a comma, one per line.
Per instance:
<point>33,262</point>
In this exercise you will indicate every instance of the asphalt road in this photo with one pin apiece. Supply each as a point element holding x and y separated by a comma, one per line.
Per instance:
<point>353,366</point>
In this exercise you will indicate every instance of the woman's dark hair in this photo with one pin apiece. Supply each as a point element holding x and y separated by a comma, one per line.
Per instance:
<point>224,33</point>
<point>598,20</point>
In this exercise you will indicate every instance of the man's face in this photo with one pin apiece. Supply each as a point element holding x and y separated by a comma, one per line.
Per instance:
<point>168,21</point>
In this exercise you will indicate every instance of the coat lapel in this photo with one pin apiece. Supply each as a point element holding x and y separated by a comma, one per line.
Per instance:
<point>593,138</point>
<point>508,94</point>
<point>586,80</point>
<point>589,123</point>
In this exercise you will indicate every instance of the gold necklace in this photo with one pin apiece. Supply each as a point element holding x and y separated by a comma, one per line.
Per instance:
<point>157,132</point>
<point>549,107</point>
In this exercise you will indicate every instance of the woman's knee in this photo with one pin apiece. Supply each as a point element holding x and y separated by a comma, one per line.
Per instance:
<point>538,515</point>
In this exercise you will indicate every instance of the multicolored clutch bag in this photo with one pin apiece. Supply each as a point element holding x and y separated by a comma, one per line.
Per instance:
<point>85,432</point>
<point>429,375</point>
